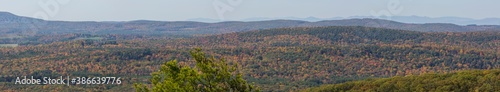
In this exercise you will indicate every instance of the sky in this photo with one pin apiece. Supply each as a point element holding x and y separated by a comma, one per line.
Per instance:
<point>179,10</point>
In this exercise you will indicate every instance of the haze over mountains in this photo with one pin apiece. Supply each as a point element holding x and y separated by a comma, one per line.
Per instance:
<point>405,19</point>
<point>17,25</point>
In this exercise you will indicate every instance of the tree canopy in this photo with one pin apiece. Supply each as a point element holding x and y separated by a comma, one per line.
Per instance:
<point>464,81</point>
<point>208,75</point>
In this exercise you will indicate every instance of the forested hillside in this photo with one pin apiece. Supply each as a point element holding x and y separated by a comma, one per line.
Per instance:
<point>464,81</point>
<point>283,59</point>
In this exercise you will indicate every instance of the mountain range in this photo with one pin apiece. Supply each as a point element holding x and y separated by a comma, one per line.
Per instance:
<point>404,19</point>
<point>17,25</point>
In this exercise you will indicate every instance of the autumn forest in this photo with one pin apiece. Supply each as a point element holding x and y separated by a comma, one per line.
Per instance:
<point>277,59</point>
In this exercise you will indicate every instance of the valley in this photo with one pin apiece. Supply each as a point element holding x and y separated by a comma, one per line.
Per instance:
<point>280,59</point>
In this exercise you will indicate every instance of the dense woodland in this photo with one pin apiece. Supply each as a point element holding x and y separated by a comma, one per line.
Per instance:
<point>464,81</point>
<point>282,59</point>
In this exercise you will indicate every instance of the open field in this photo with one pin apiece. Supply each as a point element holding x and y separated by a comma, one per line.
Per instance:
<point>9,45</point>
<point>89,38</point>
<point>10,37</point>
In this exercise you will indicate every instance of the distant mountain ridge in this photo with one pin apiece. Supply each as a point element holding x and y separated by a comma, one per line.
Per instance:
<point>12,24</point>
<point>404,19</point>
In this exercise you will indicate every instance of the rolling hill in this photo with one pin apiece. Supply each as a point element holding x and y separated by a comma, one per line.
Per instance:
<point>12,25</point>
<point>280,59</point>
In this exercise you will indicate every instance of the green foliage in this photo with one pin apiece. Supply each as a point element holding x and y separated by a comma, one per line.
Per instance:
<point>209,75</point>
<point>479,81</point>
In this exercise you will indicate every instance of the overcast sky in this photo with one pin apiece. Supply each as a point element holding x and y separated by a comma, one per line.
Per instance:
<point>178,10</point>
